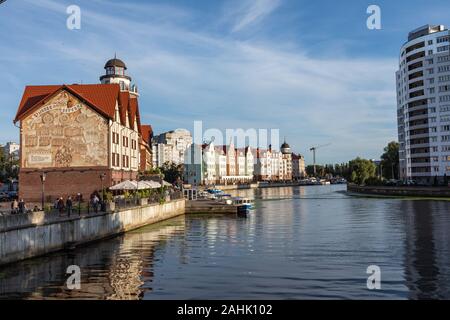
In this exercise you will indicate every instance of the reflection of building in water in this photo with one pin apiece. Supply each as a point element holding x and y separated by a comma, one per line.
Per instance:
<point>128,260</point>
<point>427,249</point>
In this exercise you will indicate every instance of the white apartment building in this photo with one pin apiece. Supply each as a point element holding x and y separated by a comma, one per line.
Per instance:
<point>423,105</point>
<point>11,149</point>
<point>171,147</point>
<point>298,167</point>
<point>215,167</point>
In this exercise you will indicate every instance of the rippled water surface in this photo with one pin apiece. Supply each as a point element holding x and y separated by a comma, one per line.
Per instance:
<point>299,243</point>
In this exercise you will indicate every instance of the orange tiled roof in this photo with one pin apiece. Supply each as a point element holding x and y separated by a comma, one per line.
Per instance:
<point>101,97</point>
<point>147,132</point>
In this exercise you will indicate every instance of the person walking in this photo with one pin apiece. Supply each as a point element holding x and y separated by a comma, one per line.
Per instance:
<point>22,206</point>
<point>95,201</point>
<point>14,206</point>
<point>60,206</point>
<point>69,205</point>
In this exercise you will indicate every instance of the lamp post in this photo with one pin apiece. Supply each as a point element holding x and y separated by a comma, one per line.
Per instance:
<point>79,203</point>
<point>102,178</point>
<point>137,187</point>
<point>43,177</point>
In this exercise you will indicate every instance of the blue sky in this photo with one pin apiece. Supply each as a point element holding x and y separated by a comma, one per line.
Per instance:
<point>309,68</point>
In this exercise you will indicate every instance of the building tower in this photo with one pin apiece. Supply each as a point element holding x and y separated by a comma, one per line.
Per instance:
<point>115,73</point>
<point>286,162</point>
<point>285,148</point>
<point>423,105</point>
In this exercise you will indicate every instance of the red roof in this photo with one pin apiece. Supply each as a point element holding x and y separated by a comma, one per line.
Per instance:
<point>101,97</point>
<point>147,133</point>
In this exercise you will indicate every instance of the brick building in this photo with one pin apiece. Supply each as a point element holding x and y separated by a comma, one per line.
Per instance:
<point>80,136</point>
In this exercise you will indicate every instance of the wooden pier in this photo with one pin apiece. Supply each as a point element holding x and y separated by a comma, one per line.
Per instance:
<point>209,206</point>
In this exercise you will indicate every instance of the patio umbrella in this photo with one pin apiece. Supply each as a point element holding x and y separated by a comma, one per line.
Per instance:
<point>151,184</point>
<point>125,185</point>
<point>166,184</point>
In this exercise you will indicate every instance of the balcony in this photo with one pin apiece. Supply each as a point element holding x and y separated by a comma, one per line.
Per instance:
<point>418,117</point>
<point>415,94</point>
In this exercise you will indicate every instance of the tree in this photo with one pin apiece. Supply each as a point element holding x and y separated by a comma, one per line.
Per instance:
<point>361,170</point>
<point>390,161</point>
<point>172,172</point>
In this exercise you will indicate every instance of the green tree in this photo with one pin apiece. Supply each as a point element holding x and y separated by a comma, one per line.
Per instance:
<point>172,172</point>
<point>361,170</point>
<point>390,161</point>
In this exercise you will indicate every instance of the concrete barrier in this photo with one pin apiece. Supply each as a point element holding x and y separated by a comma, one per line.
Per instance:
<point>36,235</point>
<point>438,192</point>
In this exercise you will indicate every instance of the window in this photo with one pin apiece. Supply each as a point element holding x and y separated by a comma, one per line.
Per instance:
<point>125,141</point>
<point>444,58</point>
<point>442,39</point>
<point>444,68</point>
<point>445,128</point>
<point>430,42</point>
<point>444,98</point>
<point>442,49</point>
<point>445,138</point>
<point>125,161</point>
<point>444,88</point>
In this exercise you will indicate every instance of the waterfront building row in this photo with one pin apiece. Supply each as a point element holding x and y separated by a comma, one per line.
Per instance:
<point>209,164</point>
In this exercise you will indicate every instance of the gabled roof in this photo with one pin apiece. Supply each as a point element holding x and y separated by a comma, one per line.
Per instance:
<point>147,133</point>
<point>101,97</point>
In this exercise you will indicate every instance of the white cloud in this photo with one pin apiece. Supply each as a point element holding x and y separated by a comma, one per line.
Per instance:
<point>186,75</point>
<point>250,12</point>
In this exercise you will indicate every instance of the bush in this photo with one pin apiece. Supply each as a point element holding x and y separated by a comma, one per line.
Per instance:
<point>374,181</point>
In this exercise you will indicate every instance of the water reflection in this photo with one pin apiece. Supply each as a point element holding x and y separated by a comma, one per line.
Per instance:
<point>112,269</point>
<point>300,242</point>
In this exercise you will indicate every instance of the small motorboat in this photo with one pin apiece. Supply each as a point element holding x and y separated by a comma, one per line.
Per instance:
<point>243,205</point>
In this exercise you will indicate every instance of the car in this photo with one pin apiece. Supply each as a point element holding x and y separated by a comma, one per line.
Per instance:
<point>13,195</point>
<point>4,196</point>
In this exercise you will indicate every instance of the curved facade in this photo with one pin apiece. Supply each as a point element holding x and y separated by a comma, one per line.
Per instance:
<point>423,105</point>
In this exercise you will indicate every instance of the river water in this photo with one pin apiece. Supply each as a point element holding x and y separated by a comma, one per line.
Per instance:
<point>312,242</point>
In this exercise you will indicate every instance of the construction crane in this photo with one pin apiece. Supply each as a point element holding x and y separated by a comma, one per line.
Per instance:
<point>313,149</point>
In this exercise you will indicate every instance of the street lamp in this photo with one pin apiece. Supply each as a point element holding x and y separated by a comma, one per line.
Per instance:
<point>43,177</point>
<point>102,178</point>
<point>79,203</point>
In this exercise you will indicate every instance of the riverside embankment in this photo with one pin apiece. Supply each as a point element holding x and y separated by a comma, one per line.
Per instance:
<point>403,191</point>
<point>30,235</point>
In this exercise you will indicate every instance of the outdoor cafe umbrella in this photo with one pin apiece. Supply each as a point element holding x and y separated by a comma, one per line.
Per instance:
<point>150,184</point>
<point>125,185</point>
<point>166,184</point>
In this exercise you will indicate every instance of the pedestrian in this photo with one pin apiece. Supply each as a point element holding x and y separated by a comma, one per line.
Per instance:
<point>95,201</point>
<point>60,206</point>
<point>14,206</point>
<point>69,205</point>
<point>22,206</point>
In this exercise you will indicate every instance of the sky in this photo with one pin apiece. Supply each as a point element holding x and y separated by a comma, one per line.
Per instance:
<point>311,69</point>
